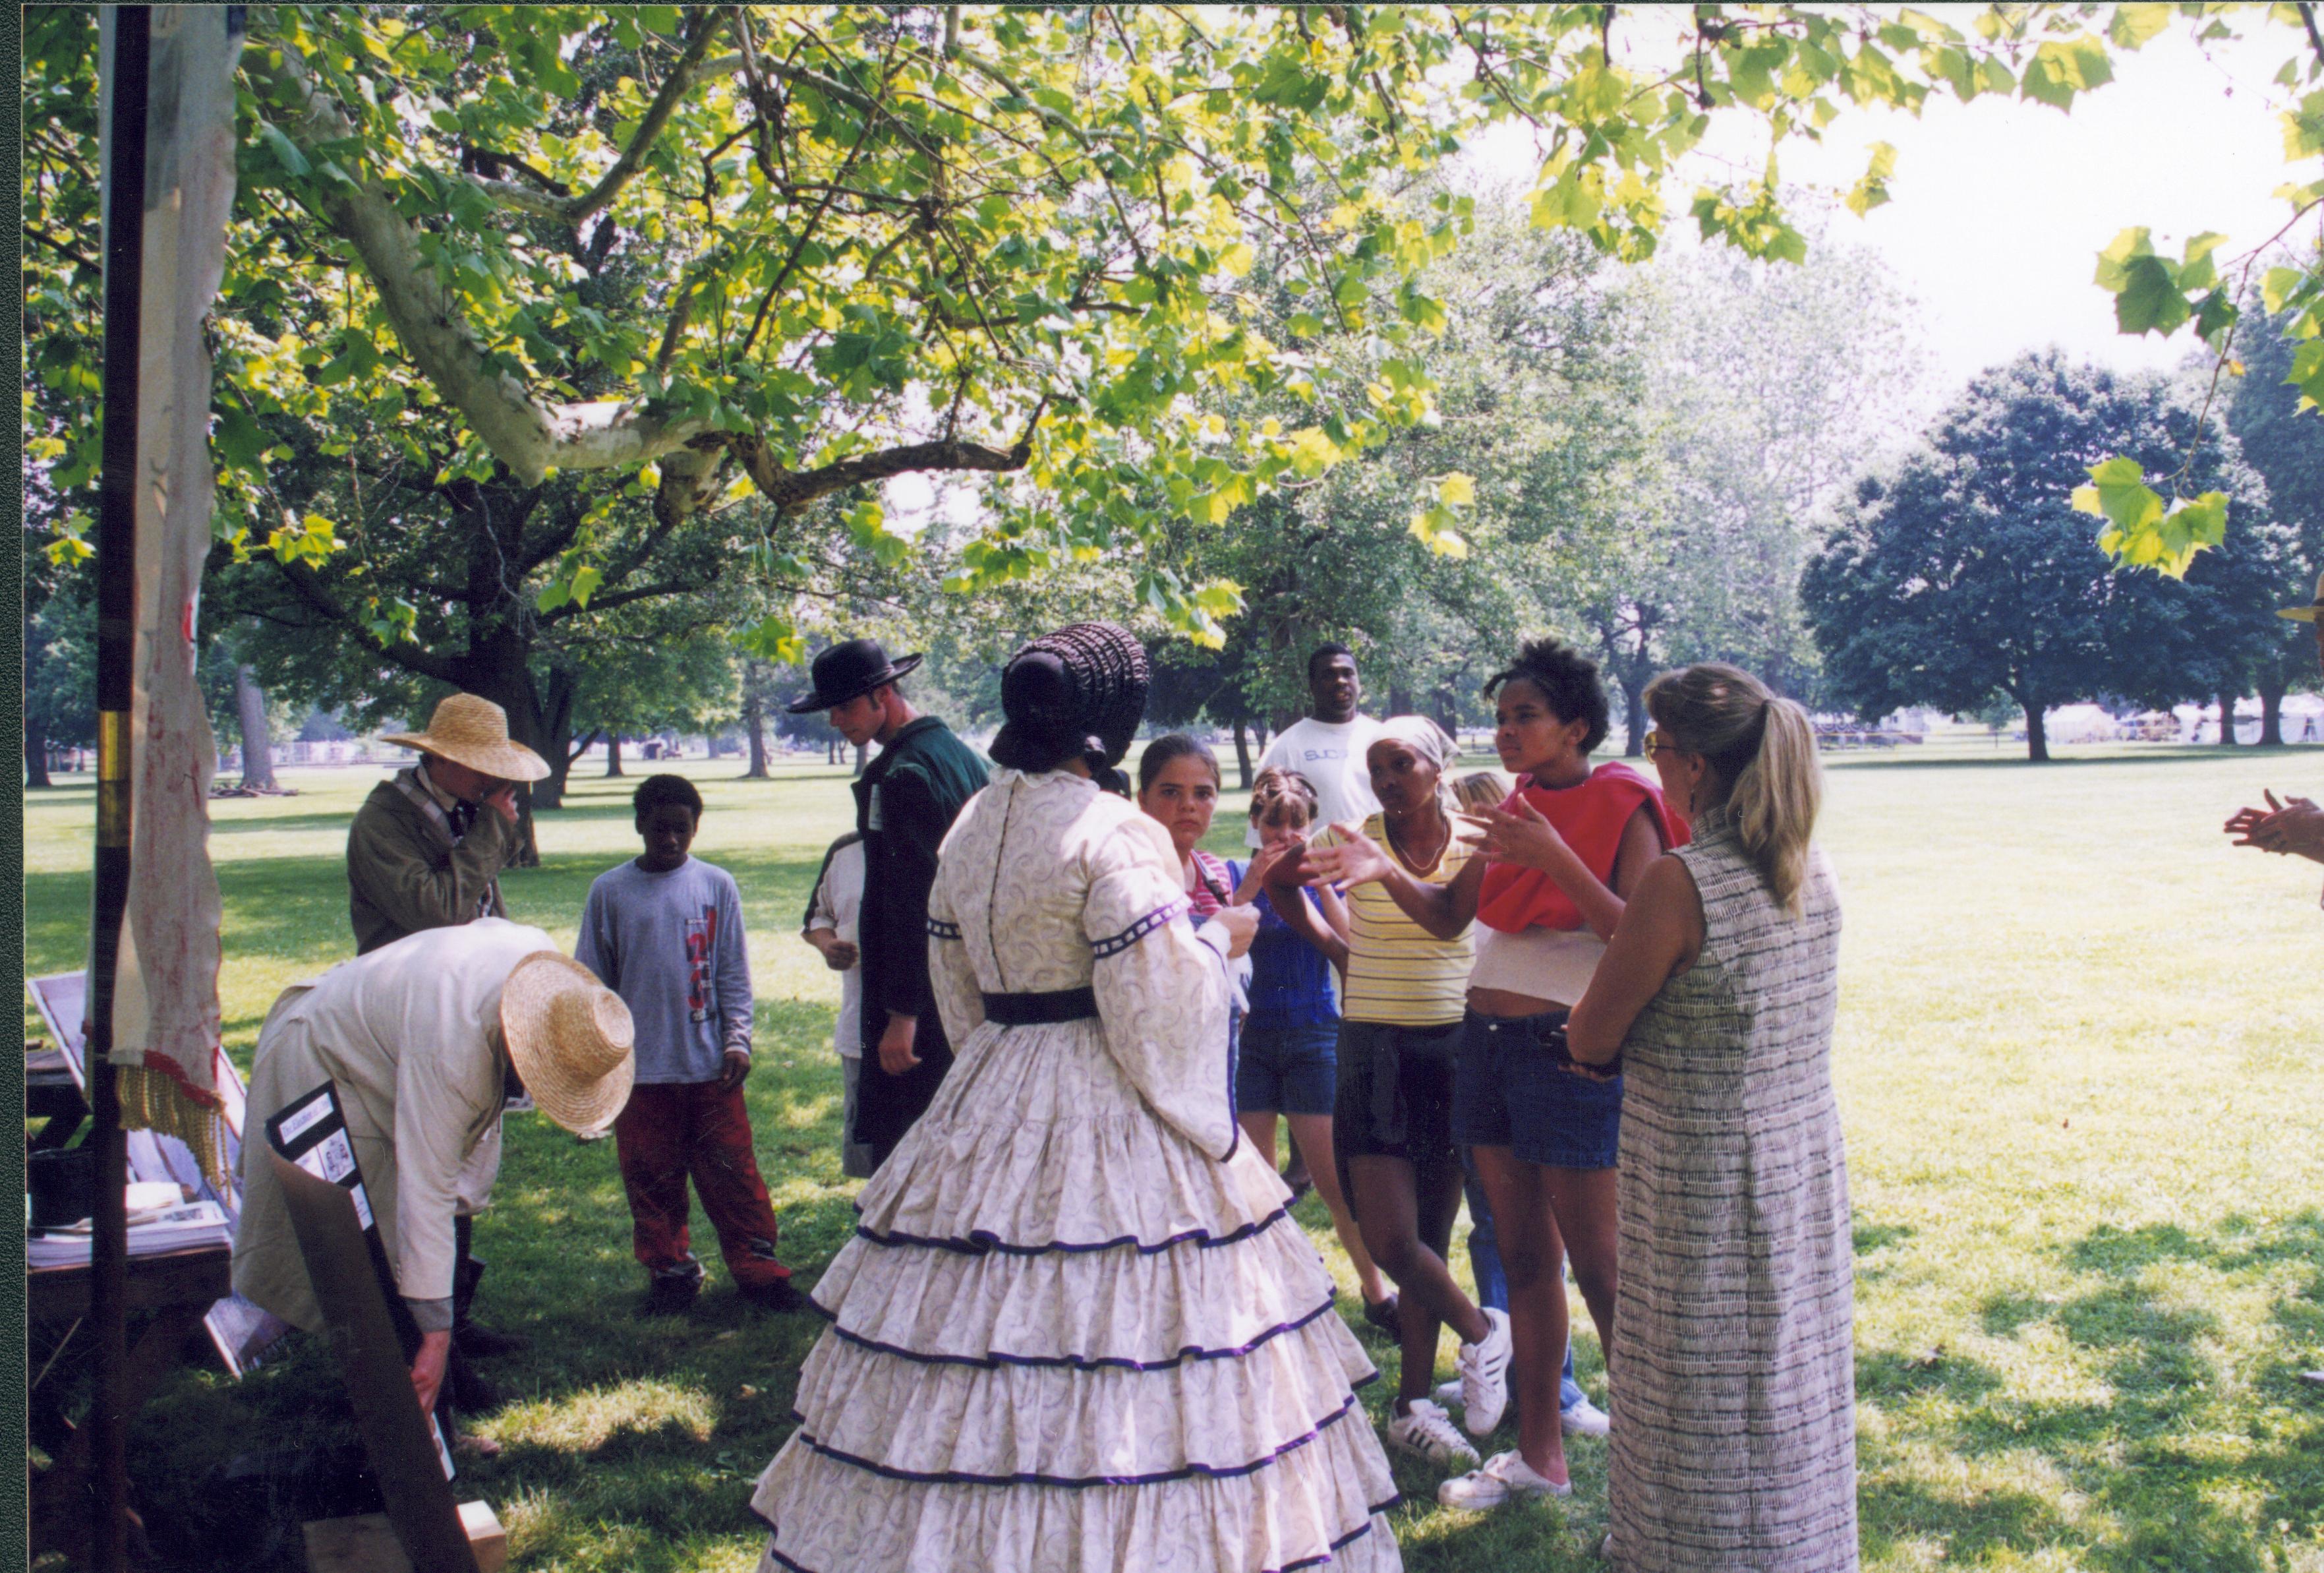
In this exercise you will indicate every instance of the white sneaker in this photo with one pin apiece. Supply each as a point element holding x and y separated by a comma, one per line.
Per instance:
<point>1505,1477</point>
<point>1485,1376</point>
<point>1426,1430</point>
<point>1583,1417</point>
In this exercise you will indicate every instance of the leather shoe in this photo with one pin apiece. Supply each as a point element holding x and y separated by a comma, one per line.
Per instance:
<point>479,1342</point>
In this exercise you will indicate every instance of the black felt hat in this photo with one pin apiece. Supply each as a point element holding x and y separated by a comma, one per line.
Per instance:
<point>849,670</point>
<point>1077,693</point>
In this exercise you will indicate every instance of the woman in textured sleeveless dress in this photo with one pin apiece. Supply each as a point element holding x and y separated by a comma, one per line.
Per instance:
<point>1734,1436</point>
<point>1076,1330</point>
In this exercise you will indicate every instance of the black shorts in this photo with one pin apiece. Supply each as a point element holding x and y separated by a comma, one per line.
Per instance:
<point>1395,1097</point>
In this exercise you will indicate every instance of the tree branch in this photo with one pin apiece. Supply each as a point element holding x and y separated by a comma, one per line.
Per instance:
<point>412,658</point>
<point>679,83</point>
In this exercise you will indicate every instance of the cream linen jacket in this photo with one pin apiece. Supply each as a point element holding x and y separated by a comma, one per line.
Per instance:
<point>410,1035</point>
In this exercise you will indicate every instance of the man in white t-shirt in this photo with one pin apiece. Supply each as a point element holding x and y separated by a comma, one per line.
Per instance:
<point>832,913</point>
<point>1328,746</point>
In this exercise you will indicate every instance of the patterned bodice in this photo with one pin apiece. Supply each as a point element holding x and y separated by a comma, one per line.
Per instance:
<point>1017,874</point>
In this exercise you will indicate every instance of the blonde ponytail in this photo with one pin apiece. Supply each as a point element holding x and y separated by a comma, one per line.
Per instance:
<point>1764,749</point>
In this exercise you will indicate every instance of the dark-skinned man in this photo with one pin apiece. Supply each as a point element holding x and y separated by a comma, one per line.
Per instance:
<point>1328,745</point>
<point>905,801</point>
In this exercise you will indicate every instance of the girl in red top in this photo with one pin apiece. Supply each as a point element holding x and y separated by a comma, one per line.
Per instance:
<point>1558,860</point>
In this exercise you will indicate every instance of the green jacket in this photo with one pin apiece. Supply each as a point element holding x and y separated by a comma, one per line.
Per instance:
<point>405,872</point>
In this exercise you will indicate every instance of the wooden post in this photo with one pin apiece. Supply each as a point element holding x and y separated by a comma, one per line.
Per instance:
<point>116,640</point>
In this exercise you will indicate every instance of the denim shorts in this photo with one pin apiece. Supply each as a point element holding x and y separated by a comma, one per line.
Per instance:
<point>1288,1070</point>
<point>1512,1090</point>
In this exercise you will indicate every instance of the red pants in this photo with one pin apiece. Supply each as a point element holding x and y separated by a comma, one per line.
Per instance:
<point>673,1130</point>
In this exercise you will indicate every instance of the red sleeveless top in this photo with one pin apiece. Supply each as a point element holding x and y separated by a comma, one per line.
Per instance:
<point>1590,816</point>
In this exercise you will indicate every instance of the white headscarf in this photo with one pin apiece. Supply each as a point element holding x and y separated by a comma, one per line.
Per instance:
<point>1432,743</point>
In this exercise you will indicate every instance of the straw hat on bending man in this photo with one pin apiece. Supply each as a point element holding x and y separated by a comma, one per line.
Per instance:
<point>427,848</point>
<point>426,851</point>
<point>419,1040</point>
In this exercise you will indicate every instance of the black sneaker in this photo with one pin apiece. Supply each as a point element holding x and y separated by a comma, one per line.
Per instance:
<point>479,1342</point>
<point>1383,1315</point>
<point>778,1296</point>
<point>671,1294</point>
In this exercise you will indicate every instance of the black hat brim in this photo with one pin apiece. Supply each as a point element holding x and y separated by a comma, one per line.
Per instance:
<point>822,701</point>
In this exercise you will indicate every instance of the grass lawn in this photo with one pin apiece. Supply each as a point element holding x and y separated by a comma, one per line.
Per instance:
<point>2078,1057</point>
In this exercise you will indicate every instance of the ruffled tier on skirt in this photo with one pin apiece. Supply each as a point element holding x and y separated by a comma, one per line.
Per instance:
<point>1066,1340</point>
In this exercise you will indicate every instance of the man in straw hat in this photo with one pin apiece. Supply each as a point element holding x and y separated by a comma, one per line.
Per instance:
<point>425,852</point>
<point>427,848</point>
<point>905,801</point>
<point>418,1039</point>
<point>2296,826</point>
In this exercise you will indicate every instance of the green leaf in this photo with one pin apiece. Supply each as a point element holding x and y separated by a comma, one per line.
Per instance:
<point>2151,301</point>
<point>585,585</point>
<point>1457,490</point>
<point>2134,25</point>
<point>1872,190</point>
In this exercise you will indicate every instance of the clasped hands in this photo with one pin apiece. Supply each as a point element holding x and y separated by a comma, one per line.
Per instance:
<point>2296,827</point>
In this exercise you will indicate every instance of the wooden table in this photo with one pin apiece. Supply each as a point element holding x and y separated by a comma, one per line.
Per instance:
<point>176,1288</point>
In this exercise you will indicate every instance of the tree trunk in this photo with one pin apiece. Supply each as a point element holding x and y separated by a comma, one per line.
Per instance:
<point>36,752</point>
<point>2227,721</point>
<point>1399,698</point>
<point>613,753</point>
<point>1634,721</point>
<point>2271,715</point>
<point>831,751</point>
<point>250,713</point>
<point>2037,738</point>
<point>754,726</point>
<point>1242,752</point>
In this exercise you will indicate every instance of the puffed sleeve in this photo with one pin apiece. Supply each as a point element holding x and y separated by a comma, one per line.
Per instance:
<point>960,1003</point>
<point>1161,991</point>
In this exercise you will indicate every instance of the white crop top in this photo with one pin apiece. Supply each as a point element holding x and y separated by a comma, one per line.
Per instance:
<point>1548,963</point>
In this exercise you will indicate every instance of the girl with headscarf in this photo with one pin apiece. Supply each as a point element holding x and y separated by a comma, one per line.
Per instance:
<point>1075,1327</point>
<point>1555,864</point>
<point>1392,1120</point>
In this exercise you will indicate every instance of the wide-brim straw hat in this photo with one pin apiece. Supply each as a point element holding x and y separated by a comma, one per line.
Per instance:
<point>570,1039</point>
<point>471,731</point>
<point>2306,614</point>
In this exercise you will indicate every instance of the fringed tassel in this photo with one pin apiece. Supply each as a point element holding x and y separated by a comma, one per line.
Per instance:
<point>152,1100</point>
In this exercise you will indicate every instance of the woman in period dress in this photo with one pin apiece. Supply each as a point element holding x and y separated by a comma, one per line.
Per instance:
<point>1734,1438</point>
<point>1076,1330</point>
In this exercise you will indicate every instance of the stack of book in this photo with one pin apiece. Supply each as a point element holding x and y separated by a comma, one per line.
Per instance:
<point>153,1232</point>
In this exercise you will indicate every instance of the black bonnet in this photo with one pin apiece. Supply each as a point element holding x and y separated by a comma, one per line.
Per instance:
<point>1078,692</point>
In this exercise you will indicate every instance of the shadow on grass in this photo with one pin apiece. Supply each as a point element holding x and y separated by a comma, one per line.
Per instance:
<point>2171,1480</point>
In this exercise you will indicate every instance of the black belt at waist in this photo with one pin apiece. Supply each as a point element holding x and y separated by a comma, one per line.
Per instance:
<point>1030,1009</point>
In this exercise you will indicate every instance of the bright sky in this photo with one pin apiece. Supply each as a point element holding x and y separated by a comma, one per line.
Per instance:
<point>1999,207</point>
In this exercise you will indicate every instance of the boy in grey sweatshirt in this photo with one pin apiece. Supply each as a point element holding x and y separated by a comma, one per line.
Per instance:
<point>664,932</point>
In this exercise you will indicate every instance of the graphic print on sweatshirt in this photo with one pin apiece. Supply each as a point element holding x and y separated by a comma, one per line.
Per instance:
<point>701,945</point>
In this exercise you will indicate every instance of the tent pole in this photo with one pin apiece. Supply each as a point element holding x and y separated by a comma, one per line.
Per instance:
<point>116,639</point>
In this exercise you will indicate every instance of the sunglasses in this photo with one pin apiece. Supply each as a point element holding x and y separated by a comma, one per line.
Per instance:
<point>1654,742</point>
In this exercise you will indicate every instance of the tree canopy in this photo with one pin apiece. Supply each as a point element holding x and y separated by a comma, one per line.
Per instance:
<point>1967,573</point>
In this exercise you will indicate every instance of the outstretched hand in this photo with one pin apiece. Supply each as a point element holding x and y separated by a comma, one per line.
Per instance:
<point>1525,838</point>
<point>2296,827</point>
<point>1355,859</point>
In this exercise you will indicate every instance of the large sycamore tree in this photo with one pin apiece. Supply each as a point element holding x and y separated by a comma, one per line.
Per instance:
<point>565,289</point>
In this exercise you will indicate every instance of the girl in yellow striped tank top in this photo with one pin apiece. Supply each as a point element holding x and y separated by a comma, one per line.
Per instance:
<point>1392,1121</point>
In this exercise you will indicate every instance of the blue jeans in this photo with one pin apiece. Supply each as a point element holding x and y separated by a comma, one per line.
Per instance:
<point>1492,1287</point>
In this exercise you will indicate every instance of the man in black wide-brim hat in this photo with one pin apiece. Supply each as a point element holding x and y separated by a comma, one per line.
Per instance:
<point>905,801</point>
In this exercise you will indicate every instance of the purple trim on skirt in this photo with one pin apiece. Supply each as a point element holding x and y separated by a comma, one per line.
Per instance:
<point>1074,1483</point>
<point>1073,1362</point>
<point>1353,1535</point>
<point>983,1243</point>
